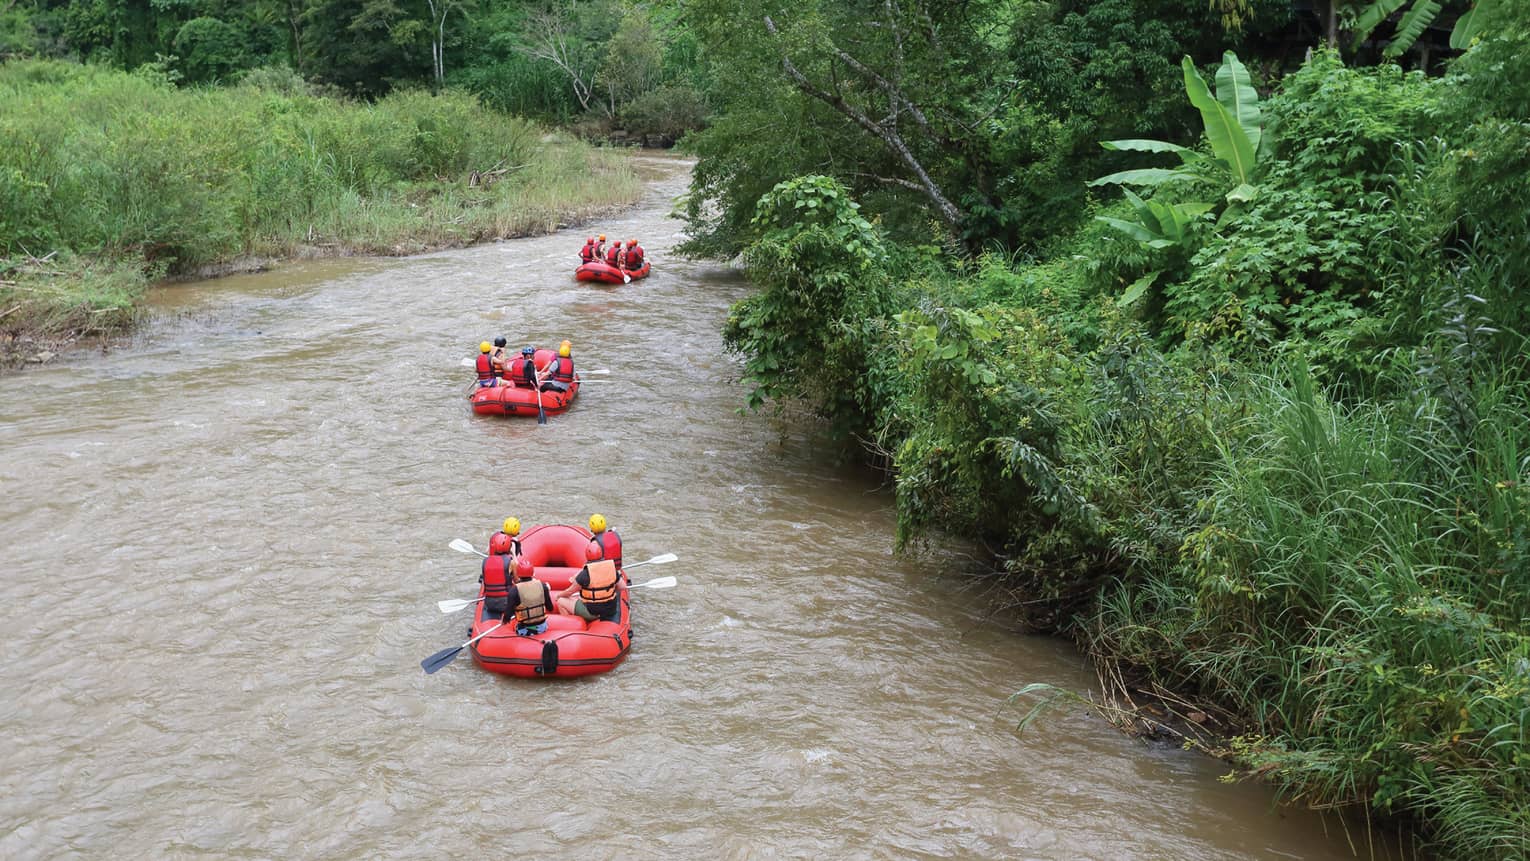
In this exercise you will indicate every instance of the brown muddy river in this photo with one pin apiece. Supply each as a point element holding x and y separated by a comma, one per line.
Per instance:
<point>225,540</point>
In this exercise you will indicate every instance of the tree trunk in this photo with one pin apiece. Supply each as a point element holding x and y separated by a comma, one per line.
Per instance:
<point>293,13</point>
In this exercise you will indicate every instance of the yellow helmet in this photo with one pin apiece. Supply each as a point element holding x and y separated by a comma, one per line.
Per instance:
<point>597,524</point>
<point>485,347</point>
<point>565,350</point>
<point>512,526</point>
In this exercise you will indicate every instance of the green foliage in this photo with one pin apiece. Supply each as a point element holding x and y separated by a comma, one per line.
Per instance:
<point>1232,123</point>
<point>123,172</point>
<point>1335,591</point>
<point>670,111</point>
<point>633,58</point>
<point>1417,16</point>
<point>825,300</point>
<point>1007,97</point>
<point>209,49</point>
<point>1279,464</point>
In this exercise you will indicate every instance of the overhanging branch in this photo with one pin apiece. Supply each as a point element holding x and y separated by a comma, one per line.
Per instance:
<point>887,133</point>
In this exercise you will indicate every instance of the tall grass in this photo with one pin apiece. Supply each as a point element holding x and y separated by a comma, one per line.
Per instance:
<point>104,174</point>
<point>1359,589</point>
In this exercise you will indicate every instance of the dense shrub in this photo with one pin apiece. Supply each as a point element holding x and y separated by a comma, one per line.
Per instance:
<point>101,164</point>
<point>670,111</point>
<point>1280,465</point>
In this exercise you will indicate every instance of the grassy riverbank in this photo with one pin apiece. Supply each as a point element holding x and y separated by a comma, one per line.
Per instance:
<point>110,180</point>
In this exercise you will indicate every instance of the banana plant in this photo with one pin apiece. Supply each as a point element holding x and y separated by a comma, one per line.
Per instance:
<point>1233,125</point>
<point>1233,128</point>
<point>1419,15</point>
<point>1158,225</point>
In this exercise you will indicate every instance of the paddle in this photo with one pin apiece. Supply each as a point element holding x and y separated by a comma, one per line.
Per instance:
<point>453,605</point>
<point>655,583</point>
<point>468,363</point>
<point>657,560</point>
<point>462,546</point>
<point>446,656</point>
<point>541,413</point>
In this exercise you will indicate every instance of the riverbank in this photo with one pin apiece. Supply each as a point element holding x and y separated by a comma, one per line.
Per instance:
<point>1325,583</point>
<point>110,181</point>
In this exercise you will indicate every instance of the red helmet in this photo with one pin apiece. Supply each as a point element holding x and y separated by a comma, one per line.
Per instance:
<point>590,241</point>
<point>524,568</point>
<point>499,543</point>
<point>631,242</point>
<point>592,552</point>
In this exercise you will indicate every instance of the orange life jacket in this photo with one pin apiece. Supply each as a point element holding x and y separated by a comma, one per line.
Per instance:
<point>602,577</point>
<point>532,611</point>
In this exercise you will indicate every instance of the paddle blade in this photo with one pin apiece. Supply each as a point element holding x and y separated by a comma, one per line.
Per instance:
<point>462,546</point>
<point>452,605</point>
<point>657,560</point>
<point>440,659</point>
<point>656,583</point>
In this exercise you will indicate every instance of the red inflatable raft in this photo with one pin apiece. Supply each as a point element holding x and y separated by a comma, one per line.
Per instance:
<point>570,646</point>
<point>596,271</point>
<point>522,401</point>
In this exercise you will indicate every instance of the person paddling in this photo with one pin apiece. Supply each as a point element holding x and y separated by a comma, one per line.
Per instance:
<point>634,256</point>
<point>529,601</point>
<point>495,575</point>
<point>497,355</point>
<point>587,253</point>
<point>510,532</point>
<point>525,369</point>
<point>596,584</point>
<point>608,542</point>
<point>489,375</point>
<point>561,369</point>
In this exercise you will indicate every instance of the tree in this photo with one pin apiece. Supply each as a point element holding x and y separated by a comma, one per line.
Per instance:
<point>848,79</point>
<point>633,63</point>
<point>569,37</point>
<point>439,9</point>
<point>361,45</point>
<point>209,49</point>
<point>973,121</point>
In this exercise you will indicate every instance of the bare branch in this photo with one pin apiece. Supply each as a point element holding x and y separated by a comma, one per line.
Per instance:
<point>551,42</point>
<point>892,90</point>
<point>883,132</point>
<point>891,180</point>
